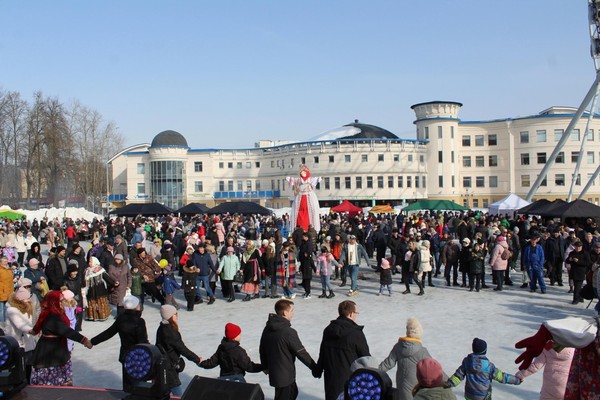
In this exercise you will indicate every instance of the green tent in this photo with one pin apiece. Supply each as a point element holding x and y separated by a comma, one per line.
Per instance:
<point>438,205</point>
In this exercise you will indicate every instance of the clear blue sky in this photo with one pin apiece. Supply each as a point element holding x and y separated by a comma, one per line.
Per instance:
<point>228,73</point>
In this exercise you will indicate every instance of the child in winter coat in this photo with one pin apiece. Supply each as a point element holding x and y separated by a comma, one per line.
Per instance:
<point>169,285</point>
<point>231,357</point>
<point>385,277</point>
<point>556,362</point>
<point>69,304</point>
<point>325,262</point>
<point>477,258</point>
<point>188,282</point>
<point>480,373</point>
<point>136,285</point>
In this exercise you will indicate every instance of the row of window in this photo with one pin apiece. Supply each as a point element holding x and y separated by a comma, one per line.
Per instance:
<point>347,159</point>
<point>141,167</point>
<point>560,158</point>
<point>440,132</point>
<point>542,137</point>
<point>480,140</point>
<point>479,181</point>
<point>327,183</point>
<point>559,180</point>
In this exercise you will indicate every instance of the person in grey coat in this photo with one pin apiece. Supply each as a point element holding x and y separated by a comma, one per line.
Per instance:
<point>406,353</point>
<point>120,273</point>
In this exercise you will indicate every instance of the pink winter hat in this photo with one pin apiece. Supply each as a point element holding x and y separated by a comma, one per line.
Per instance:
<point>385,264</point>
<point>429,373</point>
<point>23,294</point>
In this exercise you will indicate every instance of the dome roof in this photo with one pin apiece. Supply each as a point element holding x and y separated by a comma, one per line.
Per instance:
<point>356,131</point>
<point>169,139</point>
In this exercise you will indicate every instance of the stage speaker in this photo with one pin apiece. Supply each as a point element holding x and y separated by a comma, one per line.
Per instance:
<point>201,388</point>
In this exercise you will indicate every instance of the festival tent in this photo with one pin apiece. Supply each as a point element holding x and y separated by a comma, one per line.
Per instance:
<point>533,206</point>
<point>547,209</point>
<point>508,205</point>
<point>146,209</point>
<point>346,206</point>
<point>239,207</point>
<point>383,209</point>
<point>437,205</point>
<point>193,209</point>
<point>576,209</point>
<point>7,212</point>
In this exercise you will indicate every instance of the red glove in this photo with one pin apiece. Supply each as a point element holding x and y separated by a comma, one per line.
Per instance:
<point>534,345</point>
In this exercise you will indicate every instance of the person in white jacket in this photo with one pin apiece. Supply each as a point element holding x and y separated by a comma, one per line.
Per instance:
<point>21,248</point>
<point>19,321</point>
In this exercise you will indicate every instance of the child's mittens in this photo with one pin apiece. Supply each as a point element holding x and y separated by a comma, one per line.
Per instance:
<point>78,310</point>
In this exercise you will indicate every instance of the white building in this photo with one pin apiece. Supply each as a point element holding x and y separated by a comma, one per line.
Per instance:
<point>471,162</point>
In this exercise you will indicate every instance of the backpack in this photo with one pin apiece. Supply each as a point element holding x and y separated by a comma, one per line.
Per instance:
<point>506,254</point>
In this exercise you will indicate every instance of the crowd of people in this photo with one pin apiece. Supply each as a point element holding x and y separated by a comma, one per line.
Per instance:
<point>45,300</point>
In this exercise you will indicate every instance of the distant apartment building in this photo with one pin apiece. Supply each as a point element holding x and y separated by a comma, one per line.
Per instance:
<point>471,162</point>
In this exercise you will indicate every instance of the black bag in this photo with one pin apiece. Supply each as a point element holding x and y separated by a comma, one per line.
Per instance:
<point>587,292</point>
<point>180,366</point>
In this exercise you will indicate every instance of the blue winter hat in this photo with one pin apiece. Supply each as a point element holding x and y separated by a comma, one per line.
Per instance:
<point>479,346</point>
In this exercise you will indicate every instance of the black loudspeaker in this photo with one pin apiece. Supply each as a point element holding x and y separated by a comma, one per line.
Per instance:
<point>201,388</point>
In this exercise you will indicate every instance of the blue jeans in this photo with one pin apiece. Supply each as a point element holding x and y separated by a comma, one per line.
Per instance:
<point>287,291</point>
<point>537,276</point>
<point>353,269</point>
<point>325,284</point>
<point>2,310</point>
<point>206,280</point>
<point>177,391</point>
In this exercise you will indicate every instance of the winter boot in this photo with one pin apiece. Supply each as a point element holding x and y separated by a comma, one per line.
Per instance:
<point>247,298</point>
<point>447,281</point>
<point>323,295</point>
<point>331,295</point>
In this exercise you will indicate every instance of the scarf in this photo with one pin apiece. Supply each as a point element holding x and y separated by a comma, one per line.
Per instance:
<point>51,305</point>
<point>248,252</point>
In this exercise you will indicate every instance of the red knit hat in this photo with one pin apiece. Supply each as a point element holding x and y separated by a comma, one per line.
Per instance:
<point>232,331</point>
<point>429,373</point>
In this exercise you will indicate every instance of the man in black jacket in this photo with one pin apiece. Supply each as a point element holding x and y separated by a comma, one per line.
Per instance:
<point>343,342</point>
<point>279,347</point>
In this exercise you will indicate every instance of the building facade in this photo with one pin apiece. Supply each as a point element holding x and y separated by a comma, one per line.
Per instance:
<point>474,163</point>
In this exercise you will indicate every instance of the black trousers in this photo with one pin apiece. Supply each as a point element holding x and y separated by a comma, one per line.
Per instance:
<point>289,392</point>
<point>306,285</point>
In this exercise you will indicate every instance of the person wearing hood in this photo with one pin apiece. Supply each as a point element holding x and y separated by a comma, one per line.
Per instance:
<point>231,357</point>
<point>35,252</point>
<point>343,342</point>
<point>279,348</point>
<point>407,352</point>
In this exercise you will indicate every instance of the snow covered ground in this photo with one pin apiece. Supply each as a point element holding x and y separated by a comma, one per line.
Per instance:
<point>451,318</point>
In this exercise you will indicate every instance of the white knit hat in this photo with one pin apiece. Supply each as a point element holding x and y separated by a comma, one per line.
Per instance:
<point>167,311</point>
<point>414,328</point>
<point>130,302</point>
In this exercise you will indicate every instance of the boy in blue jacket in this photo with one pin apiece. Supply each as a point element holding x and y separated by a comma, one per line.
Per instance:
<point>480,373</point>
<point>169,285</point>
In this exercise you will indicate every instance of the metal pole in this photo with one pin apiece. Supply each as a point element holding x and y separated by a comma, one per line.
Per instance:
<point>590,183</point>
<point>583,140</point>
<point>550,162</point>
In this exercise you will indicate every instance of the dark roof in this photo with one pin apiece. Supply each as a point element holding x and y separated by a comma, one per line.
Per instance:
<point>370,132</point>
<point>169,138</point>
